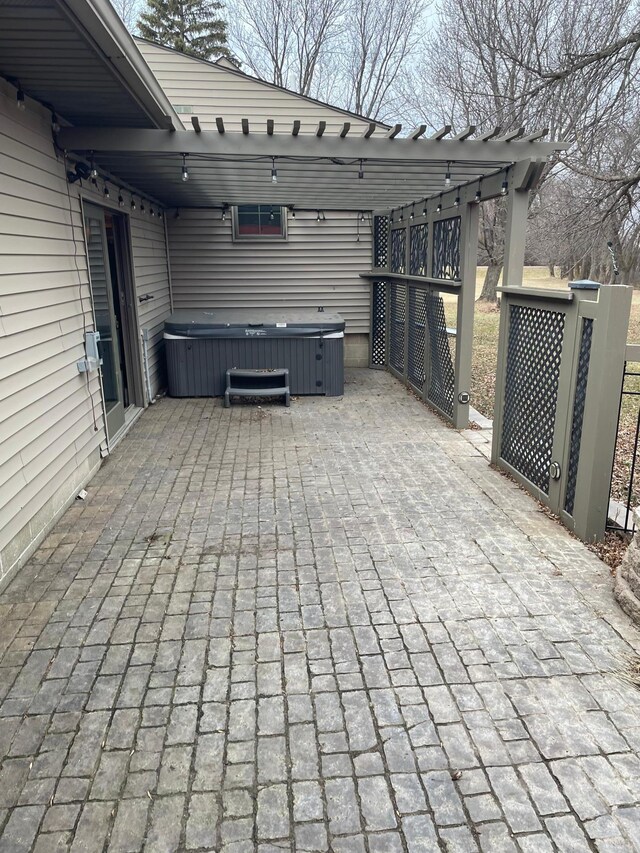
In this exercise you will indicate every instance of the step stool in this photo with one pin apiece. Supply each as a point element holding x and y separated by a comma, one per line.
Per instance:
<point>242,382</point>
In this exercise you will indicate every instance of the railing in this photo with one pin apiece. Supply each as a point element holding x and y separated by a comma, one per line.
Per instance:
<point>621,515</point>
<point>560,363</point>
<point>416,265</point>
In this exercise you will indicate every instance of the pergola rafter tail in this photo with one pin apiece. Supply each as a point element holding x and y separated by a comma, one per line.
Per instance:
<point>286,145</point>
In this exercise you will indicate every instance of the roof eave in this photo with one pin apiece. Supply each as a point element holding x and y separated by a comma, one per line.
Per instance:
<point>104,28</point>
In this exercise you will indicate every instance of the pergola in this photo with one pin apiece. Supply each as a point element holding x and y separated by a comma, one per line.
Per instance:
<point>370,170</point>
<point>423,194</point>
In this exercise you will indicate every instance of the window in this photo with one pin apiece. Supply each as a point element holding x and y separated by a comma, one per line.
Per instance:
<point>259,222</point>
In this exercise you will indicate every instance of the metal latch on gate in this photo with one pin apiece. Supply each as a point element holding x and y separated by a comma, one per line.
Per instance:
<point>555,471</point>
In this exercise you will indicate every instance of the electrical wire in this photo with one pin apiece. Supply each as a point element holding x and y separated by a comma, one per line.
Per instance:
<point>85,329</point>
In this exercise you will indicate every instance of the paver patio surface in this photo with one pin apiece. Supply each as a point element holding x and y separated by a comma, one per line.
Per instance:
<point>329,627</point>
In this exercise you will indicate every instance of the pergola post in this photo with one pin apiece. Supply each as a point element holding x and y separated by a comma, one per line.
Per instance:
<point>465,312</point>
<point>515,237</point>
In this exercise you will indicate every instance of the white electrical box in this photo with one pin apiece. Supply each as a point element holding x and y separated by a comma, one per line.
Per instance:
<point>92,360</point>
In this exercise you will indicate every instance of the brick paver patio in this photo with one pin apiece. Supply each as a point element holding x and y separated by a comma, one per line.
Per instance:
<point>330,627</point>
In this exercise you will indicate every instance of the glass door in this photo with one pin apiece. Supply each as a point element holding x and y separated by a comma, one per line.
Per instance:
<point>104,292</point>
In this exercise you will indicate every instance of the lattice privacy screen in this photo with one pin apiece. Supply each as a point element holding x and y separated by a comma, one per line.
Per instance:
<point>534,352</point>
<point>398,250</point>
<point>417,319</point>
<point>441,375</point>
<point>446,248</point>
<point>378,324</point>
<point>418,248</point>
<point>380,241</point>
<point>397,310</point>
<point>579,399</point>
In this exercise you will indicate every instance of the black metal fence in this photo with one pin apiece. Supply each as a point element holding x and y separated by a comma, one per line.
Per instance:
<point>623,476</point>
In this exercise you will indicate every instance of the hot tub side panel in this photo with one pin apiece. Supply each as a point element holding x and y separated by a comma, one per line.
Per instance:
<point>196,367</point>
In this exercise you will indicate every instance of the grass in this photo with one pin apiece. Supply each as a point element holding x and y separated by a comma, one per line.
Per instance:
<point>485,340</point>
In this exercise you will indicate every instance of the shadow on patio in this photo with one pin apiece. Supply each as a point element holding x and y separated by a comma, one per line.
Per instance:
<point>325,627</point>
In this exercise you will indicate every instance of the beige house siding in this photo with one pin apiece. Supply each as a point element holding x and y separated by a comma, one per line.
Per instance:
<point>318,265</point>
<point>211,90</point>
<point>51,420</point>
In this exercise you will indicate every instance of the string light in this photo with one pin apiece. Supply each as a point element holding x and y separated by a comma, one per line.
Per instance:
<point>292,212</point>
<point>456,202</point>
<point>274,171</point>
<point>439,207</point>
<point>94,171</point>
<point>424,209</point>
<point>141,207</point>
<point>361,216</point>
<point>504,189</point>
<point>20,103</point>
<point>105,191</point>
<point>361,171</point>
<point>185,170</point>
<point>447,177</point>
<point>133,203</point>
<point>401,217</point>
<point>413,212</point>
<point>224,213</point>
<point>120,200</point>
<point>55,126</point>
<point>478,197</point>
<point>272,215</point>
<point>317,216</point>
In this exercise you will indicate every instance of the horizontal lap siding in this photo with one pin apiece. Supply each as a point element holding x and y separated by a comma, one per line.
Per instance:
<point>152,279</point>
<point>47,409</point>
<point>319,265</point>
<point>46,412</point>
<point>214,91</point>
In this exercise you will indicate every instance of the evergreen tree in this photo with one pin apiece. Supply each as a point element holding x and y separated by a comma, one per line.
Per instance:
<point>190,26</point>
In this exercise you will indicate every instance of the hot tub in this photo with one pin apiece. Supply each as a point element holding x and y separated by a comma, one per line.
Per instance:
<point>201,346</point>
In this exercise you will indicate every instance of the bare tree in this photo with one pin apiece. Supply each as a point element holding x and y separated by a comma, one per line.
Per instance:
<point>129,11</point>
<point>377,46</point>
<point>285,41</point>
<point>493,73</point>
<point>349,51</point>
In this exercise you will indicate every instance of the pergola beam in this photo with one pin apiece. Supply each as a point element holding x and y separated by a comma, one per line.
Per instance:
<point>212,143</point>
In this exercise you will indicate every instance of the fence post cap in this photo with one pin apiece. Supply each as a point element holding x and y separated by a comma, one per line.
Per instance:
<point>584,284</point>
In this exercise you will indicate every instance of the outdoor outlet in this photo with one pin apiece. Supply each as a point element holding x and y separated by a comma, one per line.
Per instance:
<point>92,360</point>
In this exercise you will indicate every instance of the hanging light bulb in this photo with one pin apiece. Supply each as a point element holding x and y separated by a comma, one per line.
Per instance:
<point>20,103</point>
<point>133,203</point>
<point>401,217</point>
<point>439,207</point>
<point>120,200</point>
<point>141,207</point>
<point>94,171</point>
<point>55,126</point>
<point>413,212</point>
<point>274,171</point>
<point>478,196</point>
<point>317,216</point>
<point>504,189</point>
<point>362,216</point>
<point>152,212</point>
<point>447,177</point>
<point>391,217</point>
<point>424,209</point>
<point>457,200</point>
<point>292,212</point>
<point>105,191</point>
<point>361,171</point>
<point>224,213</point>
<point>185,170</point>
<point>272,215</point>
